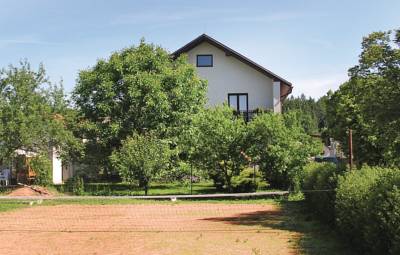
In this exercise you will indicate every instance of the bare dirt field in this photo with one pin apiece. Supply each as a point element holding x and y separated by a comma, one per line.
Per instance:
<point>202,228</point>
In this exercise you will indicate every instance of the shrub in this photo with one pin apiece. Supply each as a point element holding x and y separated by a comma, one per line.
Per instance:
<point>216,140</point>
<point>382,234</point>
<point>42,166</point>
<point>319,186</point>
<point>141,158</point>
<point>247,181</point>
<point>76,185</point>
<point>282,147</point>
<point>352,198</point>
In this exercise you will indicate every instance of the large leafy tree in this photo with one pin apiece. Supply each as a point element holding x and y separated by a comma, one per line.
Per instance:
<point>32,112</point>
<point>369,102</point>
<point>138,89</point>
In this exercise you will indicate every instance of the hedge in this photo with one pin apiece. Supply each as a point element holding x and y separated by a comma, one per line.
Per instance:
<point>321,178</point>
<point>382,234</point>
<point>365,207</point>
<point>352,197</point>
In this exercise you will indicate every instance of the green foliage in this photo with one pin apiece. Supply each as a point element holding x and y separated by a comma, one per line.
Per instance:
<point>31,112</point>
<point>41,164</point>
<point>136,90</point>
<point>75,185</point>
<point>383,230</point>
<point>248,181</point>
<point>368,209</point>
<point>319,186</point>
<point>219,142</point>
<point>352,198</point>
<point>311,113</point>
<point>368,102</point>
<point>78,185</point>
<point>141,158</point>
<point>281,148</point>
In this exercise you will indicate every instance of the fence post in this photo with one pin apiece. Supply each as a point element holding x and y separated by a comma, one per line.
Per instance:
<point>191,179</point>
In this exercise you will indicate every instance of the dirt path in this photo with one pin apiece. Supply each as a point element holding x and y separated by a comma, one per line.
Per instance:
<point>145,229</point>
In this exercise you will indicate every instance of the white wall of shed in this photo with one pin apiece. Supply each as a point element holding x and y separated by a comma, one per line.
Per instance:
<point>56,164</point>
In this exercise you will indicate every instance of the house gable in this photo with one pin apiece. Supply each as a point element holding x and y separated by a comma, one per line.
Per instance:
<point>228,75</point>
<point>285,86</point>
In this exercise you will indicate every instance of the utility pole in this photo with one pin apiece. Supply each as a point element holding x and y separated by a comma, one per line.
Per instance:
<point>351,149</point>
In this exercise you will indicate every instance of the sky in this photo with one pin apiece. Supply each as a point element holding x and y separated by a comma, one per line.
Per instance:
<point>310,43</point>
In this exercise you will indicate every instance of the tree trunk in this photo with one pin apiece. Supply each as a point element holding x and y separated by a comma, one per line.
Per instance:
<point>227,177</point>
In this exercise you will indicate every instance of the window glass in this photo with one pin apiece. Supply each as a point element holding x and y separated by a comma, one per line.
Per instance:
<point>204,60</point>
<point>233,101</point>
<point>242,103</point>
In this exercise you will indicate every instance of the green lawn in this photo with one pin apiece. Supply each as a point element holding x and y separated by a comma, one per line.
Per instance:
<point>124,189</point>
<point>12,205</point>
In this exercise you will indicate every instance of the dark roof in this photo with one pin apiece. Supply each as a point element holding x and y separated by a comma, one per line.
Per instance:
<point>230,52</point>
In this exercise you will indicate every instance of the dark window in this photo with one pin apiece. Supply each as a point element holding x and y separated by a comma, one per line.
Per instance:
<point>204,60</point>
<point>238,101</point>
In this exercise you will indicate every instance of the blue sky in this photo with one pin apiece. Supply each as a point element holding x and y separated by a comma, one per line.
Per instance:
<point>310,43</point>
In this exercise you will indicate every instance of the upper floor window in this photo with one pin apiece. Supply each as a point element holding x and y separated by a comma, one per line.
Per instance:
<point>204,61</point>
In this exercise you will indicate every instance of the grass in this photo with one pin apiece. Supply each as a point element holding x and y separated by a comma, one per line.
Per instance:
<point>124,189</point>
<point>317,238</point>
<point>12,205</point>
<point>314,237</point>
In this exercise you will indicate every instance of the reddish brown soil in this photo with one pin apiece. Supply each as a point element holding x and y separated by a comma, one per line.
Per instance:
<point>26,191</point>
<point>145,229</point>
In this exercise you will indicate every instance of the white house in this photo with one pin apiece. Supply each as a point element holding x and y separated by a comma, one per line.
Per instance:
<point>234,78</point>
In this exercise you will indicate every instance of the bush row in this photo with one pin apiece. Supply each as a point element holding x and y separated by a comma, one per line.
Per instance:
<point>365,206</point>
<point>319,186</point>
<point>368,209</point>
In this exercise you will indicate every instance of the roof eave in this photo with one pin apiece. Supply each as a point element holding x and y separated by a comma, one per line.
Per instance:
<point>230,52</point>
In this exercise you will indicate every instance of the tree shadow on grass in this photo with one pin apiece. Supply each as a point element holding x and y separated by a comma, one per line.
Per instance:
<point>314,238</point>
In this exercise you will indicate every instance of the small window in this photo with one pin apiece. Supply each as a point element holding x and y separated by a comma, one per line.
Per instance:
<point>204,60</point>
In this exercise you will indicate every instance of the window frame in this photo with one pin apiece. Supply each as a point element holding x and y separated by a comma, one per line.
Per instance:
<point>237,95</point>
<point>204,55</point>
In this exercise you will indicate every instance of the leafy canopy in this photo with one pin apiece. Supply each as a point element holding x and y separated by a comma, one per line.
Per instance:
<point>218,136</point>
<point>141,158</point>
<point>32,112</point>
<point>138,89</point>
<point>281,147</point>
<point>310,112</point>
<point>369,102</point>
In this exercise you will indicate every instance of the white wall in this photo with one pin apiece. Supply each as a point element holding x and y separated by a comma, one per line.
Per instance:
<point>277,96</point>
<point>56,166</point>
<point>229,75</point>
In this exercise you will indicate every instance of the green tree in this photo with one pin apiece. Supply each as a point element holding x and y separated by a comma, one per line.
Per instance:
<point>369,102</point>
<point>311,112</point>
<point>219,142</point>
<point>141,158</point>
<point>138,89</point>
<point>282,148</point>
<point>42,166</point>
<point>32,112</point>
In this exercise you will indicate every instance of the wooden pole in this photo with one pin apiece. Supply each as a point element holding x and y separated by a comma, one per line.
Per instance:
<point>191,179</point>
<point>351,149</point>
